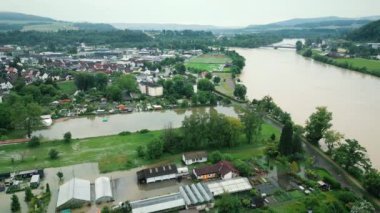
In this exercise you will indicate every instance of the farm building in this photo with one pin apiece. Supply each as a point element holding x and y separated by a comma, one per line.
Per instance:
<point>197,196</point>
<point>159,203</point>
<point>233,185</point>
<point>155,174</point>
<point>222,169</point>
<point>103,191</point>
<point>74,193</point>
<point>194,157</point>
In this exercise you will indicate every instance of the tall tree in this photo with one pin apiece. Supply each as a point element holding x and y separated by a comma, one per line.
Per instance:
<point>299,45</point>
<point>372,182</point>
<point>28,195</point>
<point>285,144</point>
<point>84,81</point>
<point>317,124</point>
<point>127,82</point>
<point>15,204</point>
<point>252,124</point>
<point>228,204</point>
<point>101,80</point>
<point>240,91</point>
<point>332,139</point>
<point>351,155</point>
<point>205,85</point>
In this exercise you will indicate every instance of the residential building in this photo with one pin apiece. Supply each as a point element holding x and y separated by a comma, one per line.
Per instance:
<point>151,175</point>
<point>74,193</point>
<point>223,170</point>
<point>194,157</point>
<point>151,89</point>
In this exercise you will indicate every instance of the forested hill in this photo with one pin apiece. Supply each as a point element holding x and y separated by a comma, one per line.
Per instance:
<point>17,21</point>
<point>20,17</point>
<point>367,33</point>
<point>186,39</point>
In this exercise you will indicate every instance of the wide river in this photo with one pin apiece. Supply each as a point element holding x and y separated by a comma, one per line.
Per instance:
<point>299,84</point>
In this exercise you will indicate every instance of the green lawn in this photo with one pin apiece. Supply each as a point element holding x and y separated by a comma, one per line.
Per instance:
<point>209,62</point>
<point>67,87</point>
<point>111,152</point>
<point>226,85</point>
<point>371,65</point>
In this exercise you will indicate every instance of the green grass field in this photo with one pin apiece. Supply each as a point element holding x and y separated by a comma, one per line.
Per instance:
<point>226,85</point>
<point>111,152</point>
<point>67,87</point>
<point>371,65</point>
<point>209,62</point>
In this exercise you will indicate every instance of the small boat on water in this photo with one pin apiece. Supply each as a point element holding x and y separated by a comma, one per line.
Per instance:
<point>105,119</point>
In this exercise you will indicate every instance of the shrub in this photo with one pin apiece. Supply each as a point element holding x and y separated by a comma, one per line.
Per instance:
<point>53,154</point>
<point>140,151</point>
<point>215,156</point>
<point>143,131</point>
<point>67,137</point>
<point>125,133</point>
<point>34,142</point>
<point>334,184</point>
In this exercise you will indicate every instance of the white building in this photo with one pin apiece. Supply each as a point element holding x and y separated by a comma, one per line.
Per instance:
<point>74,193</point>
<point>230,186</point>
<point>151,89</point>
<point>194,157</point>
<point>159,203</point>
<point>103,191</point>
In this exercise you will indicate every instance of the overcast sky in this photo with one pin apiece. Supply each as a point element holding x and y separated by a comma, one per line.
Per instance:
<point>214,12</point>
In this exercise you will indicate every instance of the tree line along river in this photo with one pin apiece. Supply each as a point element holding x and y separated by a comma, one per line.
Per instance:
<point>296,84</point>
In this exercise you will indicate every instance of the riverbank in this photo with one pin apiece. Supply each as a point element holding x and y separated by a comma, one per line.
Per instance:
<point>362,65</point>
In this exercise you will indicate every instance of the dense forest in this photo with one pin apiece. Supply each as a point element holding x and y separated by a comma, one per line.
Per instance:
<point>186,39</point>
<point>369,32</point>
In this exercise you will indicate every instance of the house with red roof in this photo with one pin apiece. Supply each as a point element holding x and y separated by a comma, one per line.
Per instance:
<point>223,169</point>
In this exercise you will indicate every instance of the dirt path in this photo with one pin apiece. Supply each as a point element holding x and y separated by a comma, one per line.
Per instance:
<point>13,141</point>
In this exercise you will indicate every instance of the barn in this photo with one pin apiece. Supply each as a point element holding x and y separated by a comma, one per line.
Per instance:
<point>160,173</point>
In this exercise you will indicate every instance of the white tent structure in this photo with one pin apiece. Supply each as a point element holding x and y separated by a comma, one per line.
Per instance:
<point>103,191</point>
<point>74,193</point>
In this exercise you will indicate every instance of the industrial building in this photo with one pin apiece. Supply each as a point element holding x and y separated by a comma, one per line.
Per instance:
<point>233,185</point>
<point>103,190</point>
<point>151,175</point>
<point>194,157</point>
<point>159,203</point>
<point>197,196</point>
<point>74,193</point>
